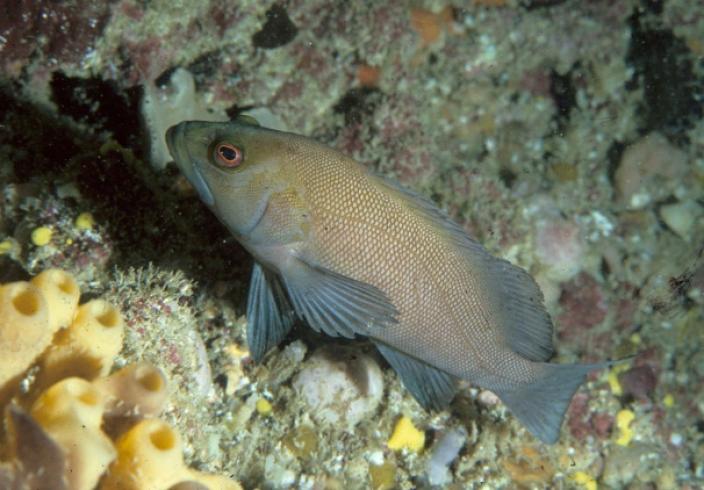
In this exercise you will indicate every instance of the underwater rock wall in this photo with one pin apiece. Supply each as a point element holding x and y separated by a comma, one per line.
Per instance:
<point>565,136</point>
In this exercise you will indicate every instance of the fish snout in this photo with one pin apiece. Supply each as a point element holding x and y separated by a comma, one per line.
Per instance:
<point>177,138</point>
<point>173,136</point>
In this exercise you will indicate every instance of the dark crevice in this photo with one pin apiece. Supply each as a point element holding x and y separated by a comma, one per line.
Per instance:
<point>99,104</point>
<point>278,30</point>
<point>507,177</point>
<point>537,4</point>
<point>205,67</point>
<point>613,155</point>
<point>145,220</point>
<point>358,103</point>
<point>564,94</point>
<point>663,68</point>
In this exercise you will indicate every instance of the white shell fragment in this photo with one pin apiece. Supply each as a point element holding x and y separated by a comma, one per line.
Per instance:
<point>444,453</point>
<point>341,385</point>
<point>681,216</point>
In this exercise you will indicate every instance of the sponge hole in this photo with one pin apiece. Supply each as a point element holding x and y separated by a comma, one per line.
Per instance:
<point>66,284</point>
<point>82,391</point>
<point>150,379</point>
<point>27,302</point>
<point>110,318</point>
<point>163,438</point>
<point>105,314</point>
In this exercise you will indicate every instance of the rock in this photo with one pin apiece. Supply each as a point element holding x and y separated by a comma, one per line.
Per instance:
<point>624,464</point>
<point>444,453</point>
<point>681,216</point>
<point>341,385</point>
<point>559,248</point>
<point>649,170</point>
<point>638,382</point>
<point>584,306</point>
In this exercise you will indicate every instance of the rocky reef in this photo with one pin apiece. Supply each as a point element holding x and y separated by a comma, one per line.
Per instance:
<point>565,136</point>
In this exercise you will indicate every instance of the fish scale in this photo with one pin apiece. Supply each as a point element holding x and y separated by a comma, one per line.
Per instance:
<point>354,254</point>
<point>348,203</point>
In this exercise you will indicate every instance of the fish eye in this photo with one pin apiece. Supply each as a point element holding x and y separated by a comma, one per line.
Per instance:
<point>227,155</point>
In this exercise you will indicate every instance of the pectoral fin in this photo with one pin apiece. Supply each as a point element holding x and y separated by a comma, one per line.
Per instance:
<point>336,304</point>
<point>431,387</point>
<point>269,313</point>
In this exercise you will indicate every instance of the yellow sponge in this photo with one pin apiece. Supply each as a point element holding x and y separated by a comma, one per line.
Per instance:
<point>623,423</point>
<point>150,456</point>
<point>71,412</point>
<point>74,348</point>
<point>24,328</point>
<point>138,389</point>
<point>88,347</point>
<point>61,293</point>
<point>406,436</point>
<point>98,332</point>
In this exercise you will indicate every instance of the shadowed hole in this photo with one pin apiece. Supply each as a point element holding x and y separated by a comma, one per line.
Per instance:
<point>109,318</point>
<point>26,302</point>
<point>150,379</point>
<point>85,394</point>
<point>66,284</point>
<point>163,438</point>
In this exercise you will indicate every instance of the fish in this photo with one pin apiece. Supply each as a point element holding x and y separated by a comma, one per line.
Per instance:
<point>354,254</point>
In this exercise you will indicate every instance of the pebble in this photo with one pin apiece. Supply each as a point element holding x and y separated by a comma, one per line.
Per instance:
<point>444,453</point>
<point>341,385</point>
<point>680,217</point>
<point>649,170</point>
<point>41,236</point>
<point>638,382</point>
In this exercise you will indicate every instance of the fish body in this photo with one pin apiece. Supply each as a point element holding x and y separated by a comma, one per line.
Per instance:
<point>355,254</point>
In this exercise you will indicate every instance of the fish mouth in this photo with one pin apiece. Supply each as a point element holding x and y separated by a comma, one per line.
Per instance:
<point>176,140</point>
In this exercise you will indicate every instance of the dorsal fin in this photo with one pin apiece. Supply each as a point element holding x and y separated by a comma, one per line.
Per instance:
<point>517,299</point>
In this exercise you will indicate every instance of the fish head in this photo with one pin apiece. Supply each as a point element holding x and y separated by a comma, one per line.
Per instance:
<point>234,166</point>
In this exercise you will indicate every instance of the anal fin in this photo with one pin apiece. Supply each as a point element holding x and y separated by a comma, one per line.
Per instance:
<point>431,387</point>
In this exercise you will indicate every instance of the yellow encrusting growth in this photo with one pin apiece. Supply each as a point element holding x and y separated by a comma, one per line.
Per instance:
<point>623,423</point>
<point>150,455</point>
<point>71,404</point>
<point>263,406</point>
<point>24,330</point>
<point>71,412</point>
<point>612,378</point>
<point>668,400</point>
<point>61,293</point>
<point>5,246</point>
<point>585,479</point>
<point>84,221</point>
<point>41,236</point>
<point>406,436</point>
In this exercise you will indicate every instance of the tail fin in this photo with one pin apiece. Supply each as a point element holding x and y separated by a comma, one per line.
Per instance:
<point>541,404</point>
